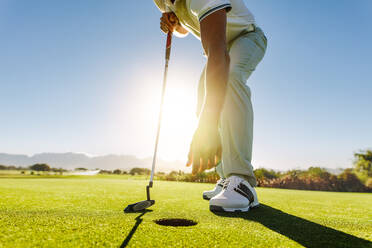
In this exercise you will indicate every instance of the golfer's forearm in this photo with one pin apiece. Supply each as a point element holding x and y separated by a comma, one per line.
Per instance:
<point>216,82</point>
<point>213,37</point>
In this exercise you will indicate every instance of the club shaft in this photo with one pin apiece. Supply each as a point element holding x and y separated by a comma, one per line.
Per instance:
<point>167,56</point>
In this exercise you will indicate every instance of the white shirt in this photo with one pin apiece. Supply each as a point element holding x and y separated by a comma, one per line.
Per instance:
<point>192,12</point>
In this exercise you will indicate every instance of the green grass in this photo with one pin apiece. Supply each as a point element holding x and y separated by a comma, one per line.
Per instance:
<point>88,211</point>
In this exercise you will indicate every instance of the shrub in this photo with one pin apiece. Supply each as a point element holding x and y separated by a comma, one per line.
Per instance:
<point>263,173</point>
<point>349,182</point>
<point>139,171</point>
<point>105,172</point>
<point>317,179</point>
<point>58,170</point>
<point>318,172</point>
<point>363,163</point>
<point>369,183</point>
<point>203,177</point>
<point>10,167</point>
<point>40,167</point>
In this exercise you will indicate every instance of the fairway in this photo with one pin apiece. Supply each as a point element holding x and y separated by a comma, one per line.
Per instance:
<point>88,211</point>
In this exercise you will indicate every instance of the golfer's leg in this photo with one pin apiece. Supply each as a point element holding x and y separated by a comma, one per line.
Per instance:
<point>237,116</point>
<point>201,94</point>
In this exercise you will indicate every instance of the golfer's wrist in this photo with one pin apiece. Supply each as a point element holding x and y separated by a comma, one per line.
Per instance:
<point>209,117</point>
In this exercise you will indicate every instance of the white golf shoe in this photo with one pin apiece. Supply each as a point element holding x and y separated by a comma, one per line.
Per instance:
<point>207,195</point>
<point>237,195</point>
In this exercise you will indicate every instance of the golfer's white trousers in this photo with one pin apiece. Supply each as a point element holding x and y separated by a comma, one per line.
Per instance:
<point>236,121</point>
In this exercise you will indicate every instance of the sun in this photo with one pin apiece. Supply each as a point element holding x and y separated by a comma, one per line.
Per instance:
<point>136,116</point>
<point>178,123</point>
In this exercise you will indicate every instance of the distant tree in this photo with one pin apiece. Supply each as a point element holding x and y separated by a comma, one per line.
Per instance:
<point>58,170</point>
<point>172,176</point>
<point>105,172</point>
<point>9,167</point>
<point>117,171</point>
<point>264,174</point>
<point>173,173</point>
<point>81,169</point>
<point>318,172</point>
<point>40,167</point>
<point>369,183</point>
<point>363,163</point>
<point>139,171</point>
<point>349,182</point>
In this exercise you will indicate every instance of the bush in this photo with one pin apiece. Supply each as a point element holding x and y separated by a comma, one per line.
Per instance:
<point>139,171</point>
<point>263,175</point>
<point>363,163</point>
<point>317,179</point>
<point>11,167</point>
<point>369,183</point>
<point>58,170</point>
<point>317,172</point>
<point>40,167</point>
<point>117,171</point>
<point>349,182</point>
<point>203,177</point>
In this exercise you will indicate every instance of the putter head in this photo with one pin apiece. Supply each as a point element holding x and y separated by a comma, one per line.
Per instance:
<point>139,206</point>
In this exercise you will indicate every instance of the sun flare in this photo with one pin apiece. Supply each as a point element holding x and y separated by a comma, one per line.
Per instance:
<point>178,122</point>
<point>179,114</point>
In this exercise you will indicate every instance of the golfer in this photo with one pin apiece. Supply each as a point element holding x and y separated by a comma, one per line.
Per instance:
<point>233,45</point>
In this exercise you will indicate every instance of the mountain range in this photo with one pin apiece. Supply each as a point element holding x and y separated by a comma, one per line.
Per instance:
<point>72,160</point>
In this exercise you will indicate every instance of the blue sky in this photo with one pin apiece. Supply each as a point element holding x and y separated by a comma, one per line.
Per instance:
<point>85,76</point>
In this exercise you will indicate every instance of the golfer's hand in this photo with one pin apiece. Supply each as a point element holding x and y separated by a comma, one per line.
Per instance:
<point>205,150</point>
<point>169,22</point>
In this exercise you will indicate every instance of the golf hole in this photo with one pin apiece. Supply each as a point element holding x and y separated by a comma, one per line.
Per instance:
<point>175,222</point>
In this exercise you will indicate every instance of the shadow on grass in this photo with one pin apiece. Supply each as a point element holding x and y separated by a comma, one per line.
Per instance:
<point>134,228</point>
<point>304,232</point>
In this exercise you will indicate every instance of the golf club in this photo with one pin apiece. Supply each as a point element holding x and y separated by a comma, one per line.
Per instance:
<point>139,206</point>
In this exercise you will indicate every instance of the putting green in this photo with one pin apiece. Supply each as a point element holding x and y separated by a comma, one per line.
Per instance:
<point>88,211</point>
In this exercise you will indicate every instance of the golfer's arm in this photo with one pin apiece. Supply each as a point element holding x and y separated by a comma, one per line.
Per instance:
<point>213,36</point>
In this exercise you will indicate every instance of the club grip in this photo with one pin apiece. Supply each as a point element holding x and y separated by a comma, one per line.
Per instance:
<point>168,46</point>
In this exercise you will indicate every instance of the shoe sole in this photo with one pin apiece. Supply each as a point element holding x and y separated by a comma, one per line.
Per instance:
<point>206,197</point>
<point>215,208</point>
<point>255,205</point>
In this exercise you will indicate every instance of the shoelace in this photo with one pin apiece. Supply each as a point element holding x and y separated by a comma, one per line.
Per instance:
<point>222,181</point>
<point>230,183</point>
<point>225,183</point>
